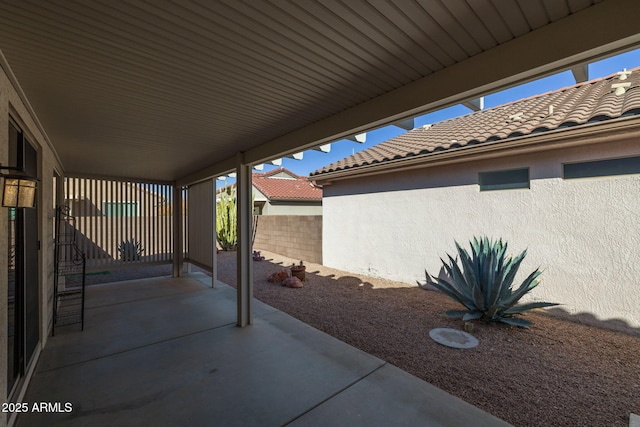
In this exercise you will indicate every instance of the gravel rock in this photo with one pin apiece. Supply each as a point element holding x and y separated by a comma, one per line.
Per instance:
<point>557,373</point>
<point>292,282</point>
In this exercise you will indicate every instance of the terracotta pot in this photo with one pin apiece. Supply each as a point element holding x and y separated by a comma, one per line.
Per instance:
<point>298,271</point>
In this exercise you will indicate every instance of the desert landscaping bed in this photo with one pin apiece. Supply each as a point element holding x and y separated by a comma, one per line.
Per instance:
<point>557,373</point>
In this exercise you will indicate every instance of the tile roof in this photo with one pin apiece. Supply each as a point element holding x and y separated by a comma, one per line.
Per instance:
<point>274,188</point>
<point>576,105</point>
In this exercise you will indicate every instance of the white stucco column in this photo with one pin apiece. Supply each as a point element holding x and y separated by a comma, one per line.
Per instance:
<point>177,231</point>
<point>214,238</point>
<point>245,264</point>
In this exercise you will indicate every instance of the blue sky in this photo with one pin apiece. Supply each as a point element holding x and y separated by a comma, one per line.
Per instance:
<point>314,160</point>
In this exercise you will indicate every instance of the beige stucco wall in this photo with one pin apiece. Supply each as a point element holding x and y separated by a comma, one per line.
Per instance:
<point>584,233</point>
<point>11,104</point>
<point>4,154</point>
<point>292,208</point>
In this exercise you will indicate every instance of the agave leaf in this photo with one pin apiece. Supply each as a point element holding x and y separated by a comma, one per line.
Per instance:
<point>449,273</point>
<point>486,258</point>
<point>471,271</point>
<point>455,314</point>
<point>494,312</point>
<point>470,315</point>
<point>448,289</point>
<point>495,279</point>
<point>529,283</point>
<point>494,282</point>
<point>499,277</point>
<point>445,284</point>
<point>466,262</point>
<point>470,278</point>
<point>482,266</point>
<point>456,274</point>
<point>515,322</point>
<point>528,306</point>
<point>457,280</point>
<point>428,279</point>
<point>477,263</point>
<point>512,270</point>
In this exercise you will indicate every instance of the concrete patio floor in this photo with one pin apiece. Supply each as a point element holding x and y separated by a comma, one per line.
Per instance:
<point>167,352</point>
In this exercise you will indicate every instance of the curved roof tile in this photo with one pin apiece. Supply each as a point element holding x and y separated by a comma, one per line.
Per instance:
<point>286,189</point>
<point>564,108</point>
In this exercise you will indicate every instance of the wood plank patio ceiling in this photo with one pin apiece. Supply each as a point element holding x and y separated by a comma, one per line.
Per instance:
<point>161,90</point>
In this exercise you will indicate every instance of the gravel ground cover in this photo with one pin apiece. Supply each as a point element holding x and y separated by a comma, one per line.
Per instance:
<point>557,373</point>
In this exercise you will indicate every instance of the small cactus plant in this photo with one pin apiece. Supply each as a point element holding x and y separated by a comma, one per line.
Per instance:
<point>298,270</point>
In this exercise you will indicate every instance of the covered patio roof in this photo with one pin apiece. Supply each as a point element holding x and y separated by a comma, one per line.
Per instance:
<point>172,91</point>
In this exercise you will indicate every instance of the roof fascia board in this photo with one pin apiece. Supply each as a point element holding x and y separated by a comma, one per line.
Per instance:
<point>224,167</point>
<point>132,180</point>
<point>522,59</point>
<point>561,138</point>
<point>276,199</point>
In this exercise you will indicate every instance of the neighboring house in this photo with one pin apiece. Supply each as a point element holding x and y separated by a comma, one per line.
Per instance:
<point>290,209</point>
<point>281,192</point>
<point>558,174</point>
<point>90,197</point>
<point>108,213</point>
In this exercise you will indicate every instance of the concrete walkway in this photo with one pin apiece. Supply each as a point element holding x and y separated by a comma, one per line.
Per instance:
<point>166,352</point>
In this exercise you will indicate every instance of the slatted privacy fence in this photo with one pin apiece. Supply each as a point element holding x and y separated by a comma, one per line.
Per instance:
<point>109,213</point>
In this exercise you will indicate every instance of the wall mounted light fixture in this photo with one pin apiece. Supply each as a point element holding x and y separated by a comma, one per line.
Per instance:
<point>19,189</point>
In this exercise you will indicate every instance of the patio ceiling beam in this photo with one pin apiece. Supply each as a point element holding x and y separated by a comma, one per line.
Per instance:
<point>406,124</point>
<point>550,49</point>
<point>580,73</point>
<point>360,138</point>
<point>475,104</point>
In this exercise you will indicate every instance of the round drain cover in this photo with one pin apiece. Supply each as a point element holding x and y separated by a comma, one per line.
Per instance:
<point>453,338</point>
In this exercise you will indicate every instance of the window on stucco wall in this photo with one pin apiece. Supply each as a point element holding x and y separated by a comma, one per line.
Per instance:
<point>120,209</point>
<point>611,167</point>
<point>504,180</point>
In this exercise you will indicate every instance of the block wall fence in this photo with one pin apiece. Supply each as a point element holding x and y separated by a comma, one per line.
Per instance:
<point>294,236</point>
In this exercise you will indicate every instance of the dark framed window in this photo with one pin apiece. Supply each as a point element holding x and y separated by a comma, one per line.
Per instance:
<point>120,209</point>
<point>611,167</point>
<point>504,180</point>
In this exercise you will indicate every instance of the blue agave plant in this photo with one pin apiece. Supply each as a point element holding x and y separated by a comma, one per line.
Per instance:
<point>130,250</point>
<point>484,284</point>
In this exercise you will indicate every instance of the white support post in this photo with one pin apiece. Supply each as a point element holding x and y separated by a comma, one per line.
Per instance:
<point>214,243</point>
<point>177,231</point>
<point>245,264</point>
